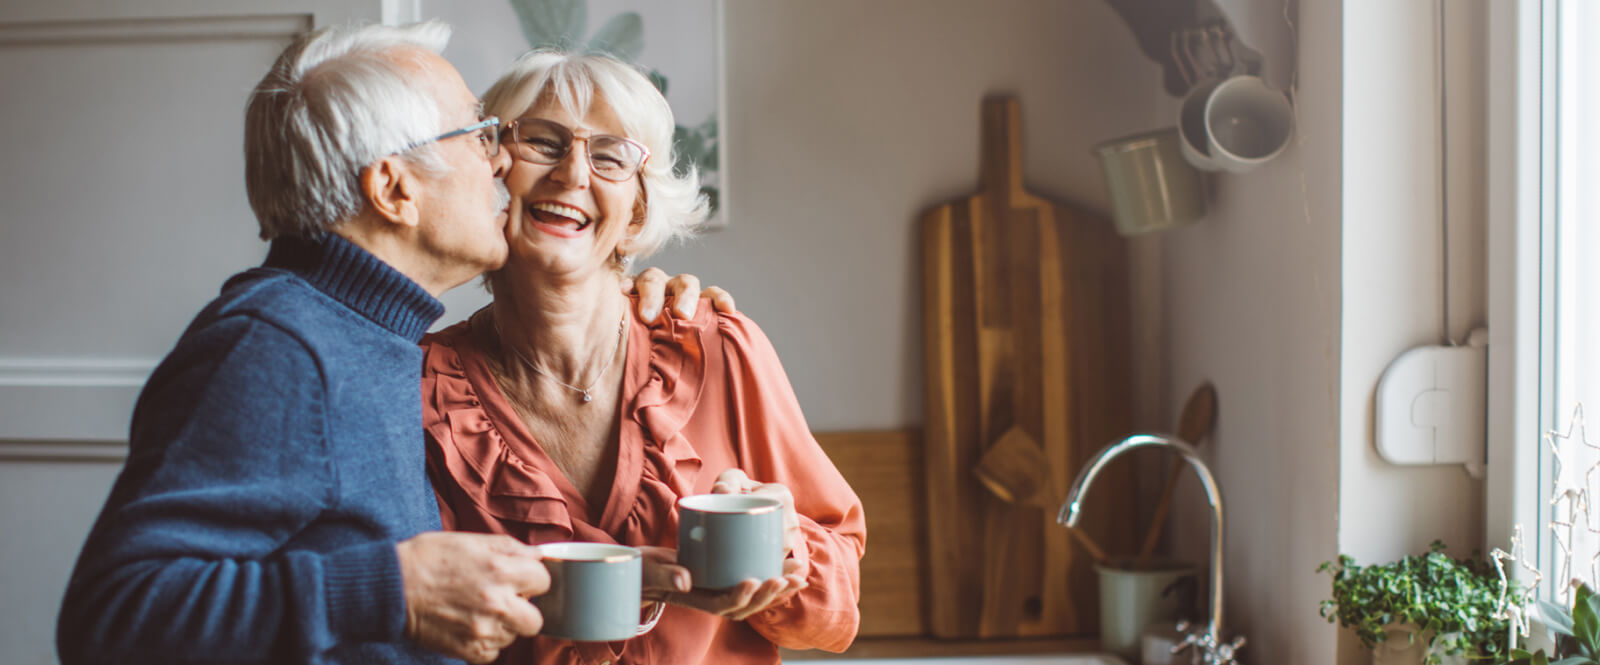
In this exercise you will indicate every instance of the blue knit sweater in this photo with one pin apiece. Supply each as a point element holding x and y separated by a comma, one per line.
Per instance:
<point>276,458</point>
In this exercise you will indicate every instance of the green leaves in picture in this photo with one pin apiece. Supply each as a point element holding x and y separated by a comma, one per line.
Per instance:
<point>697,147</point>
<point>1576,631</point>
<point>1454,598</point>
<point>561,24</point>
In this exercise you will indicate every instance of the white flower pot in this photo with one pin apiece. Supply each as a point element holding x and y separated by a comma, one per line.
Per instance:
<point>1408,646</point>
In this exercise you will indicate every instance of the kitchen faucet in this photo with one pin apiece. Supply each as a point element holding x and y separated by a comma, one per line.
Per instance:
<point>1206,641</point>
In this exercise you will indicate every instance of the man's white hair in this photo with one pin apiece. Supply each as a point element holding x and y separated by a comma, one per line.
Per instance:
<point>335,101</point>
<point>673,206</point>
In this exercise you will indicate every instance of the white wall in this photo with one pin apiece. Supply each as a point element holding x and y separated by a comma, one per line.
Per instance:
<point>1253,304</point>
<point>1394,268</point>
<point>1393,277</point>
<point>845,120</point>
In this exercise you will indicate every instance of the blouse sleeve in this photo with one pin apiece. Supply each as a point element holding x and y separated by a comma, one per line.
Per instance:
<point>775,445</point>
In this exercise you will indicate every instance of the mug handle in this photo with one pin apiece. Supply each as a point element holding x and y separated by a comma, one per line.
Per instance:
<point>654,618</point>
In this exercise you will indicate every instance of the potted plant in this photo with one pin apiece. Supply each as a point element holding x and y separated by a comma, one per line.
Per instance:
<point>1426,608</point>
<point>1576,632</point>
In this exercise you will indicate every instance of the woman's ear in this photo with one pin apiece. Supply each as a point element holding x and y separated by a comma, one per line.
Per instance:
<point>641,207</point>
<point>389,186</point>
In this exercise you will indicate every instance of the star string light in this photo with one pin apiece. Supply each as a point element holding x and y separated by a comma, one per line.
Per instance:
<point>1564,491</point>
<point>1588,483</point>
<point>1514,607</point>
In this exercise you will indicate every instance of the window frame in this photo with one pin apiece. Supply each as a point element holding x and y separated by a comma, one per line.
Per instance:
<point>1525,214</point>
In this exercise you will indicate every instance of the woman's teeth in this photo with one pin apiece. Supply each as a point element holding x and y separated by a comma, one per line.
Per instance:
<point>558,213</point>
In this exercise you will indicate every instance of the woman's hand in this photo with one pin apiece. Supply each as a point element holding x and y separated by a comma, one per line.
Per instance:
<point>734,481</point>
<point>663,577</point>
<point>653,288</point>
<point>666,581</point>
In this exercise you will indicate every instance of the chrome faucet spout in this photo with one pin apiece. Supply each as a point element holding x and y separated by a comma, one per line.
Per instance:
<point>1072,508</point>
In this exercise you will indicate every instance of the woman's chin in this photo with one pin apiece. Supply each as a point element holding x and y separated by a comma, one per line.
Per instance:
<point>563,264</point>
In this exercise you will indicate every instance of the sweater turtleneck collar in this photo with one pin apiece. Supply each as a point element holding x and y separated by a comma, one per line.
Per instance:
<point>363,282</point>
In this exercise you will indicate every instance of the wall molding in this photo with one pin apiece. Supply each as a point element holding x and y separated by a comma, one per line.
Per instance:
<point>74,372</point>
<point>63,451</point>
<point>69,399</point>
<point>185,29</point>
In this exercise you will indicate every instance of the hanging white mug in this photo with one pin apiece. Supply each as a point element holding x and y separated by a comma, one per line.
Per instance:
<point>1246,123</point>
<point>1192,127</point>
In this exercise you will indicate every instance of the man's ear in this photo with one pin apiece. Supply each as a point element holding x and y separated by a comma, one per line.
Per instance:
<point>390,187</point>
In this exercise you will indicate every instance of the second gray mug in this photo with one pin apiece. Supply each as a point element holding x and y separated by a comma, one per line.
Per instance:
<point>724,539</point>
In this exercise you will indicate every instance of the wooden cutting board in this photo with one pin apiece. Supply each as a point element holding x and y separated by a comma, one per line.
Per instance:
<point>884,467</point>
<point>1026,316</point>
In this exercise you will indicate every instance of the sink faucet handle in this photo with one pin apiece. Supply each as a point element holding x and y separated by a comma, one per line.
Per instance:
<point>1227,654</point>
<point>1190,639</point>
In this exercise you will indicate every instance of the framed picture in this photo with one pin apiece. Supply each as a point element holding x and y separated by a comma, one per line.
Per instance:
<point>678,42</point>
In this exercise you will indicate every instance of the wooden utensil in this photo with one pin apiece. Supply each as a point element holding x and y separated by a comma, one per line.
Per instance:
<point>1026,308</point>
<point>1015,471</point>
<point>1194,425</point>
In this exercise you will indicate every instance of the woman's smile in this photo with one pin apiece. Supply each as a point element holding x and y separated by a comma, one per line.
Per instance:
<point>558,219</point>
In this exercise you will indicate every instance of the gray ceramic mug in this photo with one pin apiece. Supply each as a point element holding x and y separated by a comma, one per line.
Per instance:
<point>724,539</point>
<point>595,589</point>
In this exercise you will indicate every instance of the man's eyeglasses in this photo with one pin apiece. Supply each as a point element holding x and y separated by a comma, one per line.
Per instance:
<point>547,143</point>
<point>488,134</point>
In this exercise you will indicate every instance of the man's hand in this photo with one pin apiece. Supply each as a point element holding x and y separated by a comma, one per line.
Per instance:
<point>654,288</point>
<point>467,593</point>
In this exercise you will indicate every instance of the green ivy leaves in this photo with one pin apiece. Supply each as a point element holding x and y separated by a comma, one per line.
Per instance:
<point>1453,598</point>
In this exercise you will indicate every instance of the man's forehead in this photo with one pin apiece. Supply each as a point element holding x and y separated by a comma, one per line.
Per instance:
<point>441,80</point>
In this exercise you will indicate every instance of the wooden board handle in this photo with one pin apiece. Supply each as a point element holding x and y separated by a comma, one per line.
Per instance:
<point>1001,150</point>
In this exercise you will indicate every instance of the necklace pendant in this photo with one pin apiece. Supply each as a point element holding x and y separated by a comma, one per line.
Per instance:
<point>586,397</point>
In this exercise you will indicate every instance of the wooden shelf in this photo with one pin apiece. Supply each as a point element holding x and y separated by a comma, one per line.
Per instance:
<point>921,647</point>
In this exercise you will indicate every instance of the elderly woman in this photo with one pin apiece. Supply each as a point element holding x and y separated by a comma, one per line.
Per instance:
<point>555,415</point>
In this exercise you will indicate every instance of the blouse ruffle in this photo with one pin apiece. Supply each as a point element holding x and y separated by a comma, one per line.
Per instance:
<point>505,485</point>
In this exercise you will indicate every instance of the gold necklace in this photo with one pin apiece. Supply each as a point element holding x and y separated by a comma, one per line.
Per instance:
<point>621,325</point>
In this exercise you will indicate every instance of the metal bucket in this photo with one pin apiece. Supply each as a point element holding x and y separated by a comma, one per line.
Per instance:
<point>1152,188</point>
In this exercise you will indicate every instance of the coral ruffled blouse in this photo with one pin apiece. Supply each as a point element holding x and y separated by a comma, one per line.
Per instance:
<point>698,397</point>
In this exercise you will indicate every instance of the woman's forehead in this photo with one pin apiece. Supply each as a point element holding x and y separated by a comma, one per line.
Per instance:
<point>600,117</point>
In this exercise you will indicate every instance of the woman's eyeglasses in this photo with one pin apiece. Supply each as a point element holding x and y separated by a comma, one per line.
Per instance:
<point>547,143</point>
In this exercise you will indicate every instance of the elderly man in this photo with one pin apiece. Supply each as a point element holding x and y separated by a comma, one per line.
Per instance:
<point>274,507</point>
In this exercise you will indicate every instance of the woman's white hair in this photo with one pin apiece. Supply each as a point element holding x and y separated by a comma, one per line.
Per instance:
<point>333,103</point>
<point>673,206</point>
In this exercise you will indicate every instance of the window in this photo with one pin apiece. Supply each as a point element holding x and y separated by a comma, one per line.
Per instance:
<point>1545,266</point>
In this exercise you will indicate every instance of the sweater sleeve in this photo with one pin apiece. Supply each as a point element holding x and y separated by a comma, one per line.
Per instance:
<point>192,559</point>
<point>775,445</point>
